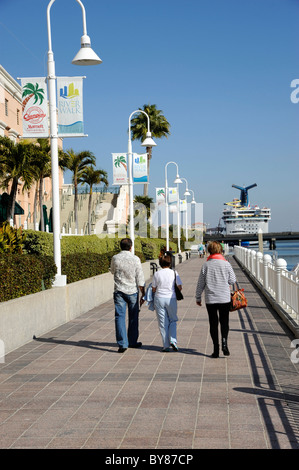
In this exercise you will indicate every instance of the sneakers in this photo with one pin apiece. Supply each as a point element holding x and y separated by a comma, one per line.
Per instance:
<point>173,346</point>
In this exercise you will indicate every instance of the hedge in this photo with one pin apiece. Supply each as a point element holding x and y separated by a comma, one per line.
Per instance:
<point>84,265</point>
<point>81,257</point>
<point>41,243</point>
<point>21,274</point>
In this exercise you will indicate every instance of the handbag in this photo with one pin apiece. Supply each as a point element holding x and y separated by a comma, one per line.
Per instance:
<point>178,292</point>
<point>238,300</point>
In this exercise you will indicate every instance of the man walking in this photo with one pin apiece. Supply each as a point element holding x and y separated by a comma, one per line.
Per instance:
<point>128,277</point>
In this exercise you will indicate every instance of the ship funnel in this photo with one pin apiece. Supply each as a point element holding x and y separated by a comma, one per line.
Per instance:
<point>244,193</point>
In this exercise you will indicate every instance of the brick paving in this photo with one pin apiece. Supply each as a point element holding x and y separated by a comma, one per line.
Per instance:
<point>71,389</point>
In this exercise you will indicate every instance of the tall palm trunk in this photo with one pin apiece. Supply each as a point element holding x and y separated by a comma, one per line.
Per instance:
<point>13,195</point>
<point>76,206</point>
<point>145,186</point>
<point>89,210</point>
<point>41,200</point>
<point>35,206</point>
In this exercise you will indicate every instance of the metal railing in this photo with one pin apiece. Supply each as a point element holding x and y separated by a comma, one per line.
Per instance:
<point>273,277</point>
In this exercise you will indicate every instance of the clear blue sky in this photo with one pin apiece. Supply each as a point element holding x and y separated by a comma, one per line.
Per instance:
<point>220,70</point>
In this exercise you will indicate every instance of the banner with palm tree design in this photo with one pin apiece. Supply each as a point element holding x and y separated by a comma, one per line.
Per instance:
<point>34,107</point>
<point>119,162</point>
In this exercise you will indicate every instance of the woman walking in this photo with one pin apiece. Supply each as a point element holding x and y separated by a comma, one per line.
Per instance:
<point>216,277</point>
<point>166,303</point>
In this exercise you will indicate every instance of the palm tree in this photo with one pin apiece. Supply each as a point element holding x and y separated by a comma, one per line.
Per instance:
<point>91,176</point>
<point>29,91</point>
<point>77,163</point>
<point>159,127</point>
<point>42,163</point>
<point>16,163</point>
<point>144,204</point>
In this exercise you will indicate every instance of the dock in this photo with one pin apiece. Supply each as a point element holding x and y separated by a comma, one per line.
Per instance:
<point>71,389</point>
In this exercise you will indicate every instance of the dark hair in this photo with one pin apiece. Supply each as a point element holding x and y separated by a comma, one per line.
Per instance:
<point>165,262</point>
<point>126,244</point>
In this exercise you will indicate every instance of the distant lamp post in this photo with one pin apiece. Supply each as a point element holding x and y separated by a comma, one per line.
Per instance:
<point>148,142</point>
<point>186,193</point>
<point>86,56</point>
<point>177,181</point>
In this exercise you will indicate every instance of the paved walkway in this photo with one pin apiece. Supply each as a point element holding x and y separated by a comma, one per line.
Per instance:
<point>72,389</point>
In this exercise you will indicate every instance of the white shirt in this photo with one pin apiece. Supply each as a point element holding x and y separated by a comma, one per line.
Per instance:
<point>163,281</point>
<point>128,272</point>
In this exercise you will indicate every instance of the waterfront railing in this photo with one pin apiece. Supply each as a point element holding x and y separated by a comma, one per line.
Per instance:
<point>273,278</point>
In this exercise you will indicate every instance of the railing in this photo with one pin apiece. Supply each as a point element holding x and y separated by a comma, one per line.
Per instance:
<point>271,275</point>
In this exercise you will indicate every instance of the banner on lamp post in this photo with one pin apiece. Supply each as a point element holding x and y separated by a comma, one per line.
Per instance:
<point>160,195</point>
<point>140,168</point>
<point>119,162</point>
<point>183,205</point>
<point>172,199</point>
<point>34,107</point>
<point>70,106</point>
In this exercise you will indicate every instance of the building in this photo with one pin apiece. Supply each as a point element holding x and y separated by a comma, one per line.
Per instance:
<point>11,126</point>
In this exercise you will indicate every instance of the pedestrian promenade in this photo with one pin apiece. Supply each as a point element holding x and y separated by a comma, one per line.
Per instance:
<point>71,389</point>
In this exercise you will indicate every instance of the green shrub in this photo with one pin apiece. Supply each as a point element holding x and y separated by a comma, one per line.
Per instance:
<point>80,266</point>
<point>11,239</point>
<point>21,274</point>
<point>38,243</point>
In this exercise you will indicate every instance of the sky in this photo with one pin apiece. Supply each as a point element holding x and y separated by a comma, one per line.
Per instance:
<point>219,70</point>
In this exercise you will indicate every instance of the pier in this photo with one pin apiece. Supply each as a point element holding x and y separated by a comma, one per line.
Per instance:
<point>237,239</point>
<point>71,389</point>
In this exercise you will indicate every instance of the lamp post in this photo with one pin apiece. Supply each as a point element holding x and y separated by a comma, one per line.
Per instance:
<point>85,56</point>
<point>148,142</point>
<point>186,193</point>
<point>176,181</point>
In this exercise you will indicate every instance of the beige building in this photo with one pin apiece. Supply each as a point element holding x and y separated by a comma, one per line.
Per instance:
<point>11,126</point>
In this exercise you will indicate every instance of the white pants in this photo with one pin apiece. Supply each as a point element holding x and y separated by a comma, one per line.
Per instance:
<point>166,310</point>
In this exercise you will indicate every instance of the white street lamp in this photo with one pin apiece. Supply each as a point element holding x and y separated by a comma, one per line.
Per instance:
<point>148,142</point>
<point>176,181</point>
<point>186,193</point>
<point>85,56</point>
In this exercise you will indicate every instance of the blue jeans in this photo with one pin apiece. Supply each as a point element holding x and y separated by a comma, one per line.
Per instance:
<point>166,310</point>
<point>121,301</point>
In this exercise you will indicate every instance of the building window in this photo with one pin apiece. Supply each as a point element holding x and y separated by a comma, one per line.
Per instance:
<point>18,116</point>
<point>6,107</point>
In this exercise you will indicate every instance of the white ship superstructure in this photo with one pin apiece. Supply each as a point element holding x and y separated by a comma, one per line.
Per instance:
<point>241,218</point>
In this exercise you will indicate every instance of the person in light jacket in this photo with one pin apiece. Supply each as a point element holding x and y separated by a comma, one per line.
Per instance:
<point>216,277</point>
<point>128,280</point>
<point>165,302</point>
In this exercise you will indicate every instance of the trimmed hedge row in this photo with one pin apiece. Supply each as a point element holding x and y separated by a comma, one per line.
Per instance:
<point>84,265</point>
<point>81,257</point>
<point>41,243</point>
<point>23,275</point>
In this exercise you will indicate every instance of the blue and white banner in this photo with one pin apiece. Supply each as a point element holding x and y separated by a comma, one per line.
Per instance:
<point>140,168</point>
<point>70,106</point>
<point>172,199</point>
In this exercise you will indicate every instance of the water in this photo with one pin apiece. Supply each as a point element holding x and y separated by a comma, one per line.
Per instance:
<point>288,250</point>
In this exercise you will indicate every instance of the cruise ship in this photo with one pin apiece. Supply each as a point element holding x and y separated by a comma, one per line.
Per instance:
<point>240,217</point>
